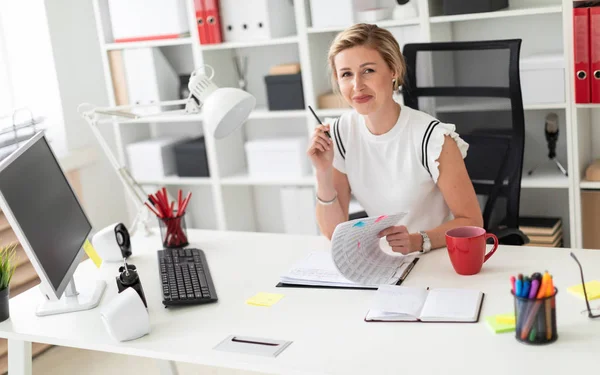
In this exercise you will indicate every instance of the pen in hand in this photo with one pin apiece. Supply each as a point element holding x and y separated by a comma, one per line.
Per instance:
<point>319,120</point>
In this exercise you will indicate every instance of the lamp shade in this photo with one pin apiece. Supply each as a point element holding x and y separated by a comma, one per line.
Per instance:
<point>226,109</point>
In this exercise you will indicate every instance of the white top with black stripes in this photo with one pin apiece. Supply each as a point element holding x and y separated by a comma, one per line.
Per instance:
<point>396,171</point>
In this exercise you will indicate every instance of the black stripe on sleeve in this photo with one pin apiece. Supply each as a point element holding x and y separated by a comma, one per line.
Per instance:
<point>338,139</point>
<point>427,144</point>
<point>423,146</point>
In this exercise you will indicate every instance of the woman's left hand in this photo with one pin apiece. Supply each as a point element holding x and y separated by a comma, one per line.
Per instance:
<point>398,238</point>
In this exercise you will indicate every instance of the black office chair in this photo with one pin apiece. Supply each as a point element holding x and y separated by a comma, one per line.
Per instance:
<point>476,85</point>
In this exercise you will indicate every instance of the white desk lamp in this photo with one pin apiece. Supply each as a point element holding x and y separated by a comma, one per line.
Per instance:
<point>224,110</point>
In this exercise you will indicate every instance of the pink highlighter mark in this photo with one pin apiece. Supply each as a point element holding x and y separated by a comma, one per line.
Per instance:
<point>359,244</point>
<point>380,218</point>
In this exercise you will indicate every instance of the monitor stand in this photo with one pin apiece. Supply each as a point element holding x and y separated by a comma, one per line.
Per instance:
<point>73,300</point>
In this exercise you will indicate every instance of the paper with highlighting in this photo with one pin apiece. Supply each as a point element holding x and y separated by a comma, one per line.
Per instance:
<point>317,269</point>
<point>357,254</point>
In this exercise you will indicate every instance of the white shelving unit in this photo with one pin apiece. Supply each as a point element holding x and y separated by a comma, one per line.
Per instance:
<point>234,201</point>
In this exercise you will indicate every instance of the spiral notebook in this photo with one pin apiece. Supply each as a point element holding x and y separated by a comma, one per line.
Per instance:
<point>393,303</point>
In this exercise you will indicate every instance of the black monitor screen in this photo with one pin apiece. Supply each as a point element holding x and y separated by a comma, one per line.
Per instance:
<point>46,209</point>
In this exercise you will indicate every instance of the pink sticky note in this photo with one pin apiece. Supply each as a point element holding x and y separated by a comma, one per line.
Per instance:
<point>380,218</point>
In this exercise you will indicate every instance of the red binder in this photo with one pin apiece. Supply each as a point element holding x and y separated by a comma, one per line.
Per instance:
<point>213,21</point>
<point>201,21</point>
<point>581,46</point>
<point>595,54</point>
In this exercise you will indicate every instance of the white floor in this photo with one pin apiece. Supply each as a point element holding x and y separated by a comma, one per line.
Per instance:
<point>68,361</point>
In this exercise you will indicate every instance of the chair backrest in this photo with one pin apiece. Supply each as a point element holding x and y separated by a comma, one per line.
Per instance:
<point>476,86</point>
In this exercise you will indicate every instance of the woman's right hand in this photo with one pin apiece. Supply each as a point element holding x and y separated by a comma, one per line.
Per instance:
<point>320,150</point>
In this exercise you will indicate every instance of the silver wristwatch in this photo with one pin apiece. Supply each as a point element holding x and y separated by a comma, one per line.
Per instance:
<point>426,242</point>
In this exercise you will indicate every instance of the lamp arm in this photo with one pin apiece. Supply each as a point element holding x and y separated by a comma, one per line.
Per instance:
<point>131,186</point>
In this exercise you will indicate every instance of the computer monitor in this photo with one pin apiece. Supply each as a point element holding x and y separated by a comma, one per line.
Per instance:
<point>49,222</point>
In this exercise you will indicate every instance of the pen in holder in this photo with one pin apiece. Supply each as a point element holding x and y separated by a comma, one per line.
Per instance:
<point>171,218</point>
<point>535,319</point>
<point>173,231</point>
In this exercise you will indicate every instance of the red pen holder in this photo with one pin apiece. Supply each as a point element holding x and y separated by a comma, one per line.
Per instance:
<point>535,319</point>
<point>173,232</point>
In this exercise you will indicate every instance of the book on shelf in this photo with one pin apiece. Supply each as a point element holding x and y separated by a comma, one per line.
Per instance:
<point>537,225</point>
<point>542,231</point>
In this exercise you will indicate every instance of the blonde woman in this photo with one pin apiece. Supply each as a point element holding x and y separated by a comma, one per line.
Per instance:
<point>392,158</point>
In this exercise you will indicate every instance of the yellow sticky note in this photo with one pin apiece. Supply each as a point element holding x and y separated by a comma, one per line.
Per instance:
<point>592,289</point>
<point>264,299</point>
<point>506,319</point>
<point>499,327</point>
<point>91,252</point>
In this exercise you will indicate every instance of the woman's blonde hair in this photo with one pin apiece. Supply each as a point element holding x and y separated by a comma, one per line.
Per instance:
<point>372,36</point>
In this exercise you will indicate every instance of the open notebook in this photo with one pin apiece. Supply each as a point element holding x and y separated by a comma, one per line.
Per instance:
<point>393,303</point>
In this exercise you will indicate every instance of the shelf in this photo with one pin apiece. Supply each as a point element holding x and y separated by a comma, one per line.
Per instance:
<point>511,11</point>
<point>384,23</point>
<point>545,179</point>
<point>263,113</point>
<point>149,43</point>
<point>181,116</point>
<point>492,104</point>
<point>257,43</point>
<point>331,112</point>
<point>176,180</point>
<point>588,105</point>
<point>595,185</point>
<point>245,180</point>
<point>168,116</point>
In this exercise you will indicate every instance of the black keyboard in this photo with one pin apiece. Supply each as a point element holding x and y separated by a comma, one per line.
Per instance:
<point>185,277</point>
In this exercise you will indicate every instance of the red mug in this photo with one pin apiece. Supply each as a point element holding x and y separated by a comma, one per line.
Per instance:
<point>466,248</point>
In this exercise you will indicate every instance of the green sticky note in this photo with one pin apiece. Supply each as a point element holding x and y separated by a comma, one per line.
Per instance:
<point>592,288</point>
<point>500,323</point>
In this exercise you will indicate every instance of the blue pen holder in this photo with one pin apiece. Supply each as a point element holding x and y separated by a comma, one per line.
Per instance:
<point>535,319</point>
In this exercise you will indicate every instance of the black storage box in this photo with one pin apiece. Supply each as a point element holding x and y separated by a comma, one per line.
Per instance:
<point>190,158</point>
<point>472,6</point>
<point>285,91</point>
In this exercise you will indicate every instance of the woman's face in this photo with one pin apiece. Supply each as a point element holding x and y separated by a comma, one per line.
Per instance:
<point>365,80</point>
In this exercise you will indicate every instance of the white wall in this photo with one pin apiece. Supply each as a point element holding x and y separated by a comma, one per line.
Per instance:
<point>78,63</point>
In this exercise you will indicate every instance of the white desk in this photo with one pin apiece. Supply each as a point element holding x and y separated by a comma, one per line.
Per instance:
<point>325,325</point>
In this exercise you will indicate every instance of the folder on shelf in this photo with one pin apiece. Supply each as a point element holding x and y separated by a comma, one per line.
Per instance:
<point>201,21</point>
<point>213,21</point>
<point>581,48</point>
<point>594,21</point>
<point>317,270</point>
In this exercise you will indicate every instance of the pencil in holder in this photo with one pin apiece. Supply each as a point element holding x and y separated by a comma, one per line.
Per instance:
<point>173,231</point>
<point>535,319</point>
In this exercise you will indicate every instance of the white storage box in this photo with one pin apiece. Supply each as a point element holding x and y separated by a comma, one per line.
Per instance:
<point>543,79</point>
<point>249,20</point>
<point>149,79</point>
<point>153,159</point>
<point>337,13</point>
<point>135,20</point>
<point>278,157</point>
<point>298,210</point>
